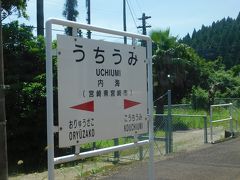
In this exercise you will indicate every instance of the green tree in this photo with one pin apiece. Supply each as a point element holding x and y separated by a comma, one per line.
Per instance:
<point>175,66</point>
<point>236,70</point>
<point>222,38</point>
<point>11,6</point>
<point>25,100</point>
<point>70,13</point>
<point>7,7</point>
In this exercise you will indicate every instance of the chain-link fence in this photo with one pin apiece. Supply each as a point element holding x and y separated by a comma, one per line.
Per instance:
<point>182,129</point>
<point>178,128</point>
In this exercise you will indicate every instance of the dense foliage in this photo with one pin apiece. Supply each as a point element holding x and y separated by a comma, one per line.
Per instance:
<point>25,99</point>
<point>222,38</point>
<point>176,67</point>
<point>10,6</point>
<point>190,77</point>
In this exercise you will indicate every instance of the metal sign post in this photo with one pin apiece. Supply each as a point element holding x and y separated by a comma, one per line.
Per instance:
<point>112,84</point>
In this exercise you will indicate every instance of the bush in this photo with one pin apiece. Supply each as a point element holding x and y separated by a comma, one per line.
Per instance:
<point>199,98</point>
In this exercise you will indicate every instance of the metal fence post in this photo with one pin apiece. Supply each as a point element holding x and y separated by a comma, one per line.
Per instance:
<point>236,121</point>
<point>205,129</point>
<point>231,119</point>
<point>140,149</point>
<point>116,153</point>
<point>211,128</point>
<point>151,172</point>
<point>140,153</point>
<point>166,134</point>
<point>170,139</point>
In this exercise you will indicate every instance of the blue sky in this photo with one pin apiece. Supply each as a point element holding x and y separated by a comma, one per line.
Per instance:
<point>181,16</point>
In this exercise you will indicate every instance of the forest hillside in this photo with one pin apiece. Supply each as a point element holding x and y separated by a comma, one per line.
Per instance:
<point>221,39</point>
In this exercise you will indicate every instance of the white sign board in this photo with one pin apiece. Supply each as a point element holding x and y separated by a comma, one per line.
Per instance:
<point>102,90</point>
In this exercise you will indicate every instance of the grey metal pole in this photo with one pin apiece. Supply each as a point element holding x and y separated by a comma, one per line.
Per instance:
<point>141,153</point>
<point>3,133</point>
<point>116,153</point>
<point>124,20</point>
<point>205,129</point>
<point>166,134</point>
<point>211,128</point>
<point>170,121</point>
<point>151,172</point>
<point>88,17</point>
<point>40,17</point>
<point>236,121</point>
<point>116,141</point>
<point>231,119</point>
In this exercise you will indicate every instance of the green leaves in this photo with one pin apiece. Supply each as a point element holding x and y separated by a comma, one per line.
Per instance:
<point>24,57</point>
<point>18,6</point>
<point>163,39</point>
<point>220,39</point>
<point>179,68</point>
<point>176,65</point>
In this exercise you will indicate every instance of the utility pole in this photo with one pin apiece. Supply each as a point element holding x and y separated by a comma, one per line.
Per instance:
<point>40,18</point>
<point>144,26</point>
<point>124,20</point>
<point>3,134</point>
<point>88,6</point>
<point>116,140</point>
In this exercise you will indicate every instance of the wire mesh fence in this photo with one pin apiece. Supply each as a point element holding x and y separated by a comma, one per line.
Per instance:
<point>184,129</point>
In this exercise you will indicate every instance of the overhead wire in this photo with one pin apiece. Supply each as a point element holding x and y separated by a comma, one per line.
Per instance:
<point>133,11</point>
<point>62,30</point>
<point>132,15</point>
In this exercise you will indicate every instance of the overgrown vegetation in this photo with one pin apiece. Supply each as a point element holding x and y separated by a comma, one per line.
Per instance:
<point>178,67</point>
<point>25,99</point>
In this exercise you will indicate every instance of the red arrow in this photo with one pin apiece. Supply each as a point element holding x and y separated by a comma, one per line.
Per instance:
<point>128,103</point>
<point>88,106</point>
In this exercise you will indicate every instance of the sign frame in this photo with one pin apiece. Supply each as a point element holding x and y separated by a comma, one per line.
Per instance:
<point>51,129</point>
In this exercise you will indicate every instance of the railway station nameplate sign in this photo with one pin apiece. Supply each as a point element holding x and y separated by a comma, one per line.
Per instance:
<point>102,90</point>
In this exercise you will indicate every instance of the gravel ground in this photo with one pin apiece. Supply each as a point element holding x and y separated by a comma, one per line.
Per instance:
<point>219,161</point>
<point>184,141</point>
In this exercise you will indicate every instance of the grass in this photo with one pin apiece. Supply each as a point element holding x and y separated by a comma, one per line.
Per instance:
<point>185,123</point>
<point>179,123</point>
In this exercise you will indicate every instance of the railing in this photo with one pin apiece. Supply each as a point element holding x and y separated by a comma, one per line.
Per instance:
<point>230,118</point>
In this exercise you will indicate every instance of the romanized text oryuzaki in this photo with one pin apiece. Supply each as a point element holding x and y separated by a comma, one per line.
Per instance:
<point>81,134</point>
